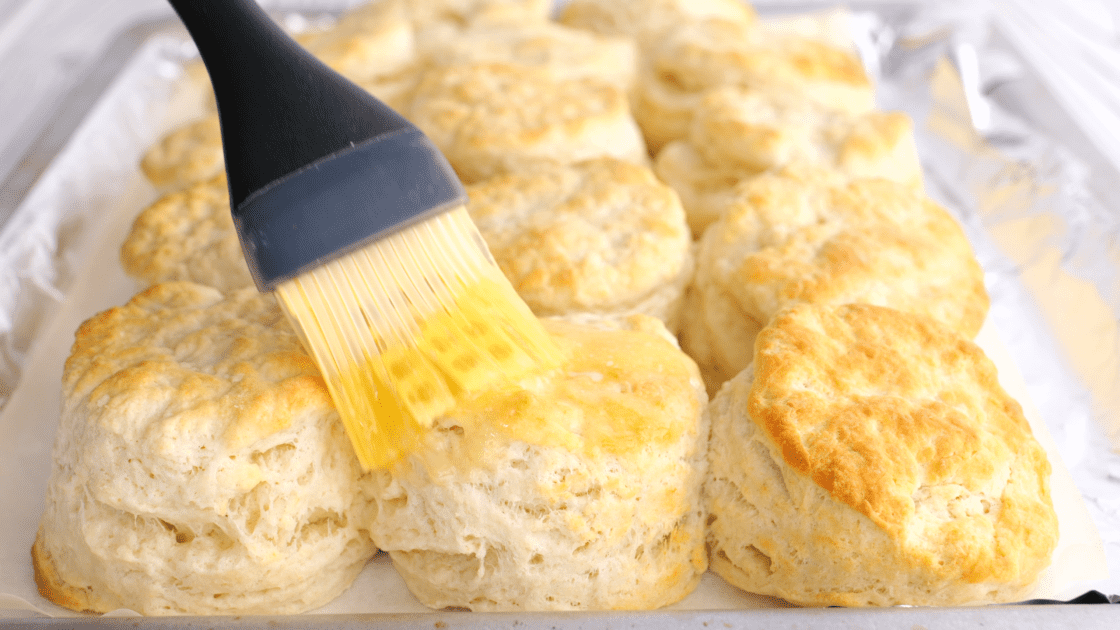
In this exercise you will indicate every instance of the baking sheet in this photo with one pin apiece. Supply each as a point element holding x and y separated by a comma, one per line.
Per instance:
<point>379,589</point>
<point>93,191</point>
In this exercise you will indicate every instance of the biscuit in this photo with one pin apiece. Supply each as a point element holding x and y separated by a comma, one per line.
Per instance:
<point>869,457</point>
<point>575,490</point>
<point>705,189</point>
<point>737,134</point>
<point>371,40</point>
<point>497,118</point>
<point>395,88</point>
<point>436,20</point>
<point>372,45</point>
<point>190,153</point>
<point>187,235</point>
<point>812,236</point>
<point>648,20</point>
<point>566,53</point>
<point>200,466</point>
<point>698,56</point>
<point>831,26</point>
<point>466,12</point>
<point>599,236</point>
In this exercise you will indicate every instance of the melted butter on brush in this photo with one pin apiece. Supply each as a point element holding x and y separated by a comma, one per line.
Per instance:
<point>409,325</point>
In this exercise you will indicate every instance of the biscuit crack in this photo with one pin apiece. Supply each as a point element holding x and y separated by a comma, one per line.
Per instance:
<point>759,559</point>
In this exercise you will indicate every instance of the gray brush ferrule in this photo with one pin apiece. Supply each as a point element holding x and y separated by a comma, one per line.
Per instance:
<point>343,202</point>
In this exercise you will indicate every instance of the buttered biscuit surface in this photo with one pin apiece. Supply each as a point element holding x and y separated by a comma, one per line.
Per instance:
<point>578,490</point>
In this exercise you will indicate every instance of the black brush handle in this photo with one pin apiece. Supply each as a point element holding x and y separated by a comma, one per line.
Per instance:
<point>280,108</point>
<point>317,167</point>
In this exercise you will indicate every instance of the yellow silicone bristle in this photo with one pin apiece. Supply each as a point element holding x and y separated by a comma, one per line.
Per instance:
<point>407,325</point>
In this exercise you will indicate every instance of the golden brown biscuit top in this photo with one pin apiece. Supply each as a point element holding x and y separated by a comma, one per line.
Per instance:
<point>594,233</point>
<point>373,39</point>
<point>565,52</point>
<point>623,391</point>
<point>873,135</point>
<point>708,53</point>
<point>180,367</point>
<point>649,18</point>
<point>904,421</point>
<point>187,235</point>
<point>807,235</point>
<point>760,129</point>
<point>201,207</point>
<point>189,153</point>
<point>502,105</point>
<point>424,13</point>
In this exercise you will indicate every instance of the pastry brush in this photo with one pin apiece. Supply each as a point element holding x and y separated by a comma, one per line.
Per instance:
<point>357,222</point>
